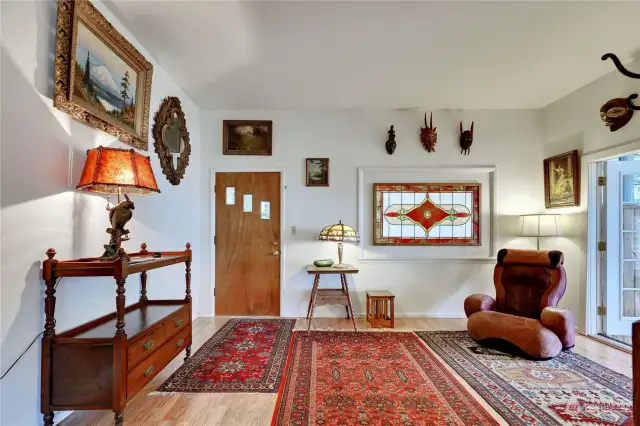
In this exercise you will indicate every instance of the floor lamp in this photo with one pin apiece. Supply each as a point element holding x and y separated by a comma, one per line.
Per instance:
<point>539,225</point>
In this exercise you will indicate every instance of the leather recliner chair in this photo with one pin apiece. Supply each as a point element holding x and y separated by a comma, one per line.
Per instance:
<point>529,284</point>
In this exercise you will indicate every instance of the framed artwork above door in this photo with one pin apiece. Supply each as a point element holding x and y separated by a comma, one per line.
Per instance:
<point>247,240</point>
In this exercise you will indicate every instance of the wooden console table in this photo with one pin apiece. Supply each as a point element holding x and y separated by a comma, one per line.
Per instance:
<point>103,364</point>
<point>338,296</point>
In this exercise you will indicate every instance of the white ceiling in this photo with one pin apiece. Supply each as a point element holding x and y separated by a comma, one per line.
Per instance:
<point>432,55</point>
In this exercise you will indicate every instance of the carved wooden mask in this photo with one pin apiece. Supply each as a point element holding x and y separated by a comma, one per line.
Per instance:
<point>615,113</point>
<point>171,139</point>
<point>428,135</point>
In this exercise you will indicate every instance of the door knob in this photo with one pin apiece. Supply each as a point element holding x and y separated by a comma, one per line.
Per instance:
<point>276,253</point>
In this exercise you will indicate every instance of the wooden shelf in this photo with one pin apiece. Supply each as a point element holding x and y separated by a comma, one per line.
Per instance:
<point>103,364</point>
<point>137,318</point>
<point>139,262</point>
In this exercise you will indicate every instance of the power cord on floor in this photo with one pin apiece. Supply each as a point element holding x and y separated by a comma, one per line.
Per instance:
<point>30,344</point>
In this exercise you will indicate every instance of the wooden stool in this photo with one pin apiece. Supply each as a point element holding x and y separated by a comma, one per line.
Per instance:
<point>380,308</point>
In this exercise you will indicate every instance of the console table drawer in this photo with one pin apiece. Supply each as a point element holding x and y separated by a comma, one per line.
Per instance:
<point>146,345</point>
<point>142,374</point>
<point>177,321</point>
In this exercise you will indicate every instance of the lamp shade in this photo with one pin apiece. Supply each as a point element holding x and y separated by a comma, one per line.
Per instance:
<point>109,170</point>
<point>540,225</point>
<point>339,232</point>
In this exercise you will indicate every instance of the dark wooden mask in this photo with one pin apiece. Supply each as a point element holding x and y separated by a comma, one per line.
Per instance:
<point>616,113</point>
<point>466,139</point>
<point>428,135</point>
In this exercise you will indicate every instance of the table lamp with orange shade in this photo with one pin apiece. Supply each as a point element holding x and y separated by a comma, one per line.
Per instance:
<point>122,172</point>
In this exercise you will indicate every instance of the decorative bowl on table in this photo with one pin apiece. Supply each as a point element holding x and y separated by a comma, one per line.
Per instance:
<point>324,263</point>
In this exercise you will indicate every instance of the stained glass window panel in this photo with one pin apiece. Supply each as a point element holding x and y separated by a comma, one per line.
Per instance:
<point>427,214</point>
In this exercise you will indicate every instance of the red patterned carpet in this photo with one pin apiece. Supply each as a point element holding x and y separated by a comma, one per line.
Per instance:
<point>367,378</point>
<point>568,390</point>
<point>245,355</point>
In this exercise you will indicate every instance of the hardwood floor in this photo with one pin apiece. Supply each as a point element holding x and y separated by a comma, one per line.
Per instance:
<point>257,409</point>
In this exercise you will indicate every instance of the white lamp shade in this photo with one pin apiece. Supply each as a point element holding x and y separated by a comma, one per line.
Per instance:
<point>540,225</point>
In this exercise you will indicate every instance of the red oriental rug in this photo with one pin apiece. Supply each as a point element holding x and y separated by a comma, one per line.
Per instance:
<point>245,355</point>
<point>364,378</point>
<point>568,390</point>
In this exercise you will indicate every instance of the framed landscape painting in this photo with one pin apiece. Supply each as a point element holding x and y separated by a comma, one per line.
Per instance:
<point>426,214</point>
<point>246,137</point>
<point>100,78</point>
<point>317,171</point>
<point>562,180</point>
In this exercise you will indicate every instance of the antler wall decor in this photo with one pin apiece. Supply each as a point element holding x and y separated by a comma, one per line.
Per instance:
<point>627,73</point>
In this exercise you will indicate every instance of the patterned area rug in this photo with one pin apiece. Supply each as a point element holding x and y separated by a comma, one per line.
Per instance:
<point>361,378</point>
<point>245,355</point>
<point>568,390</point>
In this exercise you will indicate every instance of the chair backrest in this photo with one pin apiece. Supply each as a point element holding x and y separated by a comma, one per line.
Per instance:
<point>527,281</point>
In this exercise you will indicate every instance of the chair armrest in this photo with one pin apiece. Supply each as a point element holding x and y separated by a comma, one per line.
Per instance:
<point>478,302</point>
<point>561,322</point>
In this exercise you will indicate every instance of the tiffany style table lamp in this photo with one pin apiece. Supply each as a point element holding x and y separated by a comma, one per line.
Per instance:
<point>112,171</point>
<point>340,233</point>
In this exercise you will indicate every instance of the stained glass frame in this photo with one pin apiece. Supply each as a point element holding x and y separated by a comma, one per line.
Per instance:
<point>427,215</point>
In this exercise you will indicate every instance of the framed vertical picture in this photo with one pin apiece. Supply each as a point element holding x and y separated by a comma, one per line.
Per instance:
<point>246,137</point>
<point>562,180</point>
<point>100,78</point>
<point>317,171</point>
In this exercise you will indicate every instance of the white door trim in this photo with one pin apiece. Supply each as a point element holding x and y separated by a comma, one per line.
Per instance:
<point>210,306</point>
<point>587,161</point>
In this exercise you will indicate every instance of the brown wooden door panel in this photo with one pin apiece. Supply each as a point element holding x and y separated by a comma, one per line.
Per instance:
<point>247,274</point>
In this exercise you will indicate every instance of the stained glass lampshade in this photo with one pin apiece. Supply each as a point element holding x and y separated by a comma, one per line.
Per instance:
<point>113,171</point>
<point>340,233</point>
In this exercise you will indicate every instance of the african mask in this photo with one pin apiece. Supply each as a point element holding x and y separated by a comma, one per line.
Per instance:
<point>391,142</point>
<point>428,135</point>
<point>466,139</point>
<point>615,113</point>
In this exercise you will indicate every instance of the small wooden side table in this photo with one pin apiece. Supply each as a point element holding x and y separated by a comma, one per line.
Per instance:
<point>380,308</point>
<point>335,296</point>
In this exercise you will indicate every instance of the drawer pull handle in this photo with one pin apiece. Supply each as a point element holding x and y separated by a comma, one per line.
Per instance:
<point>149,370</point>
<point>178,323</point>
<point>179,343</point>
<point>149,344</point>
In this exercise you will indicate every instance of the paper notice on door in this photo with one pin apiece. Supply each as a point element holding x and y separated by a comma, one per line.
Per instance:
<point>248,203</point>
<point>265,210</point>
<point>231,195</point>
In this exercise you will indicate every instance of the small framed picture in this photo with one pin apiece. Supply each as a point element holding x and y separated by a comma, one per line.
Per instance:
<point>246,137</point>
<point>317,172</point>
<point>562,180</point>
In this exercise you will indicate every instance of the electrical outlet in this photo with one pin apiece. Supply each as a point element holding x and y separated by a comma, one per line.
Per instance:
<point>293,230</point>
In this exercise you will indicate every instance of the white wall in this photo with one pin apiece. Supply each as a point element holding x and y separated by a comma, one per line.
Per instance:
<point>510,140</point>
<point>573,122</point>
<point>39,210</point>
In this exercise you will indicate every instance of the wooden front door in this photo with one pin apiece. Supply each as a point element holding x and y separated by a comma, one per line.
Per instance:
<point>247,243</point>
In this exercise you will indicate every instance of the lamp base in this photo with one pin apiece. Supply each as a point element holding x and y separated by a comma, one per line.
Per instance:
<point>340,265</point>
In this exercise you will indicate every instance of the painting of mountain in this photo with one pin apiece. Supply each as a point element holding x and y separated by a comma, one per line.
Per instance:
<point>104,79</point>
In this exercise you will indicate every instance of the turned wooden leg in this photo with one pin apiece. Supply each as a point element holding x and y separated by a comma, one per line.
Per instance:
<point>48,419</point>
<point>119,419</point>
<point>188,353</point>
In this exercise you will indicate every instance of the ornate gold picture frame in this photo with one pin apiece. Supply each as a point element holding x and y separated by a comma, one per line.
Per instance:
<point>562,180</point>
<point>99,77</point>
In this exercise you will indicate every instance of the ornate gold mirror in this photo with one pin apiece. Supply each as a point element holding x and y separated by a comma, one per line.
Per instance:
<point>171,139</point>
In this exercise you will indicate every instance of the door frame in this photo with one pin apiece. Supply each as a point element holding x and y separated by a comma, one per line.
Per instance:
<point>211,305</point>
<point>589,323</point>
